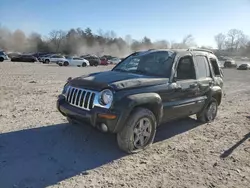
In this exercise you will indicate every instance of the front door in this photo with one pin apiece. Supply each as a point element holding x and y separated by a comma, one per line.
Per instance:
<point>184,98</point>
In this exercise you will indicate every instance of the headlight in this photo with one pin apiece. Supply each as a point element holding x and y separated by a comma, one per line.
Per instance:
<point>66,86</point>
<point>106,97</point>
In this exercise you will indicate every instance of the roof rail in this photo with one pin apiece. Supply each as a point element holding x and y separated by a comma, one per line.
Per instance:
<point>201,50</point>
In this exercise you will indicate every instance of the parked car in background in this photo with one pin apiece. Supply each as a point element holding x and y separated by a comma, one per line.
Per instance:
<point>3,56</point>
<point>93,60</point>
<point>54,59</point>
<point>108,57</point>
<point>24,58</point>
<point>114,60</point>
<point>74,61</point>
<point>104,61</point>
<point>13,54</point>
<point>38,54</point>
<point>230,63</point>
<point>244,66</point>
<point>245,58</point>
<point>42,57</point>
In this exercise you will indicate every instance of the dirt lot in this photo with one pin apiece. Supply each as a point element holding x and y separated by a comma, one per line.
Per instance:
<point>39,149</point>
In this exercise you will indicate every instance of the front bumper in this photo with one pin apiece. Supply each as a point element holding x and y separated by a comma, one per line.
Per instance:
<point>94,117</point>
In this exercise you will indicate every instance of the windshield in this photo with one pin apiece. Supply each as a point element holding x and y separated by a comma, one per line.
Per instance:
<point>2,53</point>
<point>155,64</point>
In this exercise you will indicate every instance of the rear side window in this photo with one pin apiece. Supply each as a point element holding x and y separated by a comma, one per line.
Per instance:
<point>215,67</point>
<point>202,67</point>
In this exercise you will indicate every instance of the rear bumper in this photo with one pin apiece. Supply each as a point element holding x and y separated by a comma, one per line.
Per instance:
<point>95,117</point>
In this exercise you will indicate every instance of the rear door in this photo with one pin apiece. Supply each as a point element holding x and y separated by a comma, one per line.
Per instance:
<point>216,71</point>
<point>76,61</point>
<point>203,74</point>
<point>53,58</point>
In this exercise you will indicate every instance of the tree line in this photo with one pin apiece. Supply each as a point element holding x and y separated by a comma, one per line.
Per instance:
<point>235,42</point>
<point>84,41</point>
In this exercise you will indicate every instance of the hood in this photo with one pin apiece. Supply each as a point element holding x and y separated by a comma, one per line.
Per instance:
<point>116,80</point>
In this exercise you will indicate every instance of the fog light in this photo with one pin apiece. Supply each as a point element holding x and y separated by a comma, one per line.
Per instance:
<point>104,127</point>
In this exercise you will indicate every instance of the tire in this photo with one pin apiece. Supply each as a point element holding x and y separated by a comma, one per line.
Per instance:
<point>1,59</point>
<point>126,137</point>
<point>96,64</point>
<point>66,63</point>
<point>209,113</point>
<point>46,61</point>
<point>84,64</point>
<point>60,64</point>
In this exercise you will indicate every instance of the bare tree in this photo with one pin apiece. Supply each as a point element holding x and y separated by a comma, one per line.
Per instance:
<point>128,39</point>
<point>234,37</point>
<point>220,40</point>
<point>161,44</point>
<point>56,38</point>
<point>188,41</point>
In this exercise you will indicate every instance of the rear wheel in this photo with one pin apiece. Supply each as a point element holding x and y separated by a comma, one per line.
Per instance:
<point>84,64</point>
<point>209,113</point>
<point>139,131</point>
<point>65,63</point>
<point>96,64</point>
<point>46,61</point>
<point>1,59</point>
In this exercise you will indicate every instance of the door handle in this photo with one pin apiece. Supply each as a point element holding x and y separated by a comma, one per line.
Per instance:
<point>178,88</point>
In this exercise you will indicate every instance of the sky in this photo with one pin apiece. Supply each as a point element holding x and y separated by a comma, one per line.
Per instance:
<point>156,19</point>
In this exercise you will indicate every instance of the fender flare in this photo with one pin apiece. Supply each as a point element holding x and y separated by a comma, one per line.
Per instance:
<point>215,91</point>
<point>152,101</point>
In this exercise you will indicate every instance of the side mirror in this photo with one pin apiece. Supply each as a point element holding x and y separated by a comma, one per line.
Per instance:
<point>69,78</point>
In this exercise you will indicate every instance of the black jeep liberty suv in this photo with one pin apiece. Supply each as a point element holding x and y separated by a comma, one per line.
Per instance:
<point>144,90</point>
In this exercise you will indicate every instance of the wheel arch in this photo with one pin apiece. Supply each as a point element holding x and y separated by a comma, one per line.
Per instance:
<point>150,101</point>
<point>216,93</point>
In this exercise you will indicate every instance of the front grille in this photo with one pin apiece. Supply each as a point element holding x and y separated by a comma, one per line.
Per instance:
<point>81,98</point>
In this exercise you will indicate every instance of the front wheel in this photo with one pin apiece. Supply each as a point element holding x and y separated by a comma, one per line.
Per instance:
<point>139,131</point>
<point>1,59</point>
<point>209,113</point>
<point>65,63</point>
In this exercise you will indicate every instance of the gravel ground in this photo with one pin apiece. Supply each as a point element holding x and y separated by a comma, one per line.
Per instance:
<point>39,149</point>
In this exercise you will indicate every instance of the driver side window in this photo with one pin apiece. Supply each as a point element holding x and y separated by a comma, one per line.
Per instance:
<point>185,69</point>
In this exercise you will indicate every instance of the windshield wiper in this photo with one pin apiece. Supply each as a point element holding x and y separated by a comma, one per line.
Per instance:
<point>140,72</point>
<point>120,70</point>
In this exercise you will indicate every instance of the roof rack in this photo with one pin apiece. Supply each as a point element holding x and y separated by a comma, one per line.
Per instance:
<point>202,50</point>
